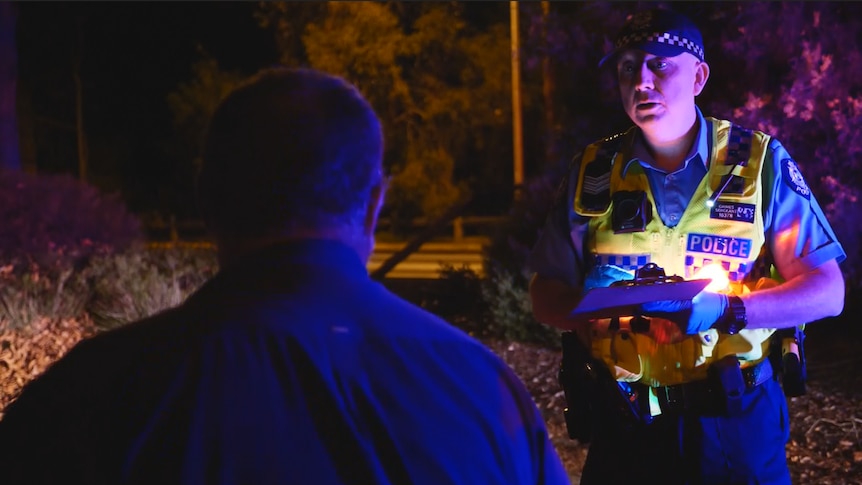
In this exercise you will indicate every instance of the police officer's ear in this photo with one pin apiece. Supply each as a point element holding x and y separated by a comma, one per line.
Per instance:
<point>701,74</point>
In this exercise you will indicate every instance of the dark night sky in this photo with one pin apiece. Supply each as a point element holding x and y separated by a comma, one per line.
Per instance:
<point>141,49</point>
<point>134,54</point>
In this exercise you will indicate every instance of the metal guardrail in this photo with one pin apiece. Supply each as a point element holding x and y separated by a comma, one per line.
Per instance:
<point>428,262</point>
<point>461,227</point>
<point>431,260</point>
<point>192,234</point>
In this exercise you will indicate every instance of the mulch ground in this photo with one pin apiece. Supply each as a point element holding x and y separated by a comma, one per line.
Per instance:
<point>826,423</point>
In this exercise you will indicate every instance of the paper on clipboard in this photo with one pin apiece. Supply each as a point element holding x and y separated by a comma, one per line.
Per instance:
<point>618,301</point>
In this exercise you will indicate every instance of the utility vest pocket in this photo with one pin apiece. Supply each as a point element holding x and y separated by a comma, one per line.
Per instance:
<point>638,357</point>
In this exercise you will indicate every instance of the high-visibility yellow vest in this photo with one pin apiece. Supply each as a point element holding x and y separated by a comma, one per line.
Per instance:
<point>728,234</point>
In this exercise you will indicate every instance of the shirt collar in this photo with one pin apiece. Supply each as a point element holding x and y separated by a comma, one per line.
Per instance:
<point>700,147</point>
<point>284,265</point>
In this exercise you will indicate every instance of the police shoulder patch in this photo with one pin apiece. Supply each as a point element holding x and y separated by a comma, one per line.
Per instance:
<point>793,178</point>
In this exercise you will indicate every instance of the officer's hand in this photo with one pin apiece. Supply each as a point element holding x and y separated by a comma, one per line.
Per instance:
<point>603,275</point>
<point>693,316</point>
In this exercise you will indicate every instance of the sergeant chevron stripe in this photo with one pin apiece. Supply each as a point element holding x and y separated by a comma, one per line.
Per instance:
<point>595,185</point>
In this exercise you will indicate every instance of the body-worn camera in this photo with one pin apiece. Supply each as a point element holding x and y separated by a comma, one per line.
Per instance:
<point>632,211</point>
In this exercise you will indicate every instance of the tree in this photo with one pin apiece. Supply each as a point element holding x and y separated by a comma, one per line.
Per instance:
<point>440,85</point>
<point>194,102</point>
<point>192,105</point>
<point>10,156</point>
<point>807,93</point>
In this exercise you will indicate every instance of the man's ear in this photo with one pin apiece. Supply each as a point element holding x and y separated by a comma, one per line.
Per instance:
<point>701,74</point>
<point>375,203</point>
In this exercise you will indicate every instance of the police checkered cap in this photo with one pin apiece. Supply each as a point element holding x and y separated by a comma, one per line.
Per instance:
<point>659,32</point>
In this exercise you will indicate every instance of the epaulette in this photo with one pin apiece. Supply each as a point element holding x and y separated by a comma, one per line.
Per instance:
<point>738,145</point>
<point>595,191</point>
<point>738,152</point>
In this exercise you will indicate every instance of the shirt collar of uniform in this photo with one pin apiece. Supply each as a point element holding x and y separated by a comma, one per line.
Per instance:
<point>700,147</point>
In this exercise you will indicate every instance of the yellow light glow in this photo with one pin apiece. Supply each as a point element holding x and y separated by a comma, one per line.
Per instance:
<point>716,273</point>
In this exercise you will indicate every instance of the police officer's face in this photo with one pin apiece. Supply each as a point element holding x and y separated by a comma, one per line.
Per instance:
<point>658,92</point>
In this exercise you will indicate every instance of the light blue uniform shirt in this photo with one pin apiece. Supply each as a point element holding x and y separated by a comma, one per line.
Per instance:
<point>791,209</point>
<point>672,191</point>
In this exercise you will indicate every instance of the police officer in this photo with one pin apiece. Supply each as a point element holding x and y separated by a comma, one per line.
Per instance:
<point>701,198</point>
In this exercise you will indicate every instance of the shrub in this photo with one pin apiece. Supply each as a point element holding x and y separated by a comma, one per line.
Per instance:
<point>58,221</point>
<point>459,300</point>
<point>505,290</point>
<point>32,292</point>
<point>141,282</point>
<point>52,225</point>
<point>510,312</point>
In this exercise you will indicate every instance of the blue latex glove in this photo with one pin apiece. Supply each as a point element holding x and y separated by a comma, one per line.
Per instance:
<point>692,316</point>
<point>603,275</point>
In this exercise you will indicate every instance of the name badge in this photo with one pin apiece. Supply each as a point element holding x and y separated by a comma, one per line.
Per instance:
<point>731,211</point>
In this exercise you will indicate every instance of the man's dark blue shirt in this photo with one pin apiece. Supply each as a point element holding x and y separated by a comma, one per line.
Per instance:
<point>292,366</point>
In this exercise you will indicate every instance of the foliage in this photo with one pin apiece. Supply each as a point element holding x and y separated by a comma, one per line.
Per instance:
<point>287,22</point>
<point>192,105</point>
<point>510,311</point>
<point>194,102</point>
<point>52,226</point>
<point>814,106</point>
<point>57,222</point>
<point>142,282</point>
<point>456,297</point>
<point>111,289</point>
<point>411,194</point>
<point>439,86</point>
<point>495,307</point>
<point>583,99</point>
<point>30,293</point>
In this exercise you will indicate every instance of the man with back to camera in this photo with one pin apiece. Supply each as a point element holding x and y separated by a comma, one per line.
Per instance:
<point>692,397</point>
<point>290,366</point>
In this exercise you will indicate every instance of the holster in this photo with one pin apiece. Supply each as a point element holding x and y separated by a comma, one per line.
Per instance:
<point>787,353</point>
<point>591,391</point>
<point>726,377</point>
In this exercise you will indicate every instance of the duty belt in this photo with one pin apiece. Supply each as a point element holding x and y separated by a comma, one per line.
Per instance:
<point>708,396</point>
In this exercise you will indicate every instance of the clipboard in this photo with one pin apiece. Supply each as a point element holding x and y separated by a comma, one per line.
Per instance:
<point>620,301</point>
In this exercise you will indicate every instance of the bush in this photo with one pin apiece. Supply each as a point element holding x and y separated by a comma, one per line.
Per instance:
<point>58,221</point>
<point>496,307</point>
<point>505,290</point>
<point>141,282</point>
<point>459,300</point>
<point>31,292</point>
<point>111,290</point>
<point>52,226</point>
<point>510,315</point>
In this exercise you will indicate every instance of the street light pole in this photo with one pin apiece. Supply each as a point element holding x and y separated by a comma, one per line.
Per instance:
<point>517,141</point>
